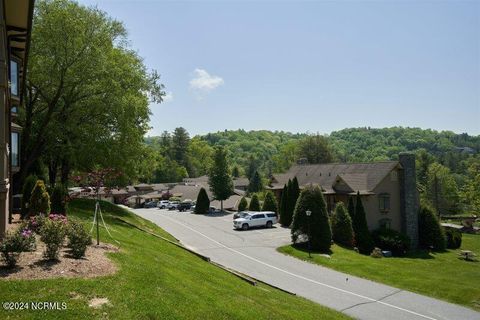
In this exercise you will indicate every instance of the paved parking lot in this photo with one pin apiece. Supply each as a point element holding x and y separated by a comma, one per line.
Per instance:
<point>253,253</point>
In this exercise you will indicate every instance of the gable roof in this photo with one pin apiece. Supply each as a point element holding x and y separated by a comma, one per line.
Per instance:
<point>363,177</point>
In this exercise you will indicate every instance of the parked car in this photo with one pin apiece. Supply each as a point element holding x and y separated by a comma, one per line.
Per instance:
<point>162,204</point>
<point>173,205</point>
<point>255,219</point>
<point>240,214</point>
<point>150,204</point>
<point>184,206</point>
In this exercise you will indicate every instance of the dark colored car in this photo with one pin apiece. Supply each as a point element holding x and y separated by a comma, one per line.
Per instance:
<point>184,206</point>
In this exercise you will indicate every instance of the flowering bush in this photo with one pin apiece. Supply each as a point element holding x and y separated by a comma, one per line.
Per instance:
<point>15,243</point>
<point>35,223</point>
<point>52,233</point>
<point>58,217</point>
<point>78,239</point>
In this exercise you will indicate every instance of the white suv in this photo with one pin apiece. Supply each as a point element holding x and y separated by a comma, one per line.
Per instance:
<point>255,219</point>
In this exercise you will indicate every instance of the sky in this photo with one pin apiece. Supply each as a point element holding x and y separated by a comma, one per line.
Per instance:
<point>315,66</point>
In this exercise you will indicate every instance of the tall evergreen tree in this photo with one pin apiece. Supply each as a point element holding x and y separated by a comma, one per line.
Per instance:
<point>431,233</point>
<point>58,199</point>
<point>235,172</point>
<point>220,181</point>
<point>270,202</point>
<point>293,192</point>
<point>363,238</point>
<point>342,229</point>
<point>242,206</point>
<point>254,203</point>
<point>39,200</point>
<point>315,227</point>
<point>180,140</point>
<point>255,183</point>
<point>283,206</point>
<point>351,207</point>
<point>203,202</point>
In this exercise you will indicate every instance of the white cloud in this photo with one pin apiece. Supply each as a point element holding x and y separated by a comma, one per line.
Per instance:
<point>168,97</point>
<point>203,82</point>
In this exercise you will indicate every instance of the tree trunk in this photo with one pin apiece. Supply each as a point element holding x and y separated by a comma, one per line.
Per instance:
<point>52,172</point>
<point>221,205</point>
<point>65,174</point>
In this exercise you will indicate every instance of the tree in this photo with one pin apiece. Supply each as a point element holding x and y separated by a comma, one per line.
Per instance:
<point>203,202</point>
<point>180,141</point>
<point>283,207</point>
<point>220,181</point>
<point>342,226</point>
<point>235,172</point>
<point>254,203</point>
<point>363,238</point>
<point>270,202</point>
<point>293,192</point>
<point>255,183</point>
<point>39,200</point>
<point>242,205</point>
<point>441,190</point>
<point>87,93</point>
<point>431,233</point>
<point>199,157</point>
<point>58,199</point>
<point>316,149</point>
<point>470,193</point>
<point>351,207</point>
<point>28,186</point>
<point>252,167</point>
<point>315,228</point>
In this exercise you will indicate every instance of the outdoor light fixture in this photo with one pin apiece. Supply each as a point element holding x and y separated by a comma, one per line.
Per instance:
<point>308,213</point>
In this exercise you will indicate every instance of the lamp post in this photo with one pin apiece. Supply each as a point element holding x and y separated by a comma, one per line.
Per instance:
<point>308,213</point>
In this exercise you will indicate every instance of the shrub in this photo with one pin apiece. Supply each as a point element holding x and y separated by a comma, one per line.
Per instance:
<point>39,200</point>
<point>454,238</point>
<point>15,243</point>
<point>342,231</point>
<point>27,189</point>
<point>254,203</point>
<point>52,233</point>
<point>242,206</point>
<point>391,240</point>
<point>282,209</point>
<point>363,238</point>
<point>431,233</point>
<point>175,199</point>
<point>376,253</point>
<point>315,228</point>
<point>270,202</point>
<point>203,203</point>
<point>35,223</point>
<point>78,239</point>
<point>58,199</point>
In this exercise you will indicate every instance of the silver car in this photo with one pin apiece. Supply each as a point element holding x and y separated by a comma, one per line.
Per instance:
<point>253,219</point>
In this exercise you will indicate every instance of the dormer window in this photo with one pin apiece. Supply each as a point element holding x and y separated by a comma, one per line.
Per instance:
<point>14,78</point>
<point>384,202</point>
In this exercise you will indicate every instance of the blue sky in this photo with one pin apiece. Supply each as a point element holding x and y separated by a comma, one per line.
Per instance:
<point>309,66</point>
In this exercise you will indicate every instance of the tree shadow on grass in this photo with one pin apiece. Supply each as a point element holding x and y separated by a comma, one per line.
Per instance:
<point>303,246</point>
<point>6,271</point>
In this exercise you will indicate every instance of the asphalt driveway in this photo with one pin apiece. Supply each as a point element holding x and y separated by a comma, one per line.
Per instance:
<point>253,253</point>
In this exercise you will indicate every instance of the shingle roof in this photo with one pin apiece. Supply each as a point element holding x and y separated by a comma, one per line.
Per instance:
<point>358,176</point>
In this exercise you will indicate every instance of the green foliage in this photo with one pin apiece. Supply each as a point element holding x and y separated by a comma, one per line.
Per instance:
<point>342,230</point>
<point>351,207</point>
<point>15,243</point>
<point>175,199</point>
<point>255,183</point>
<point>388,239</point>
<point>316,149</point>
<point>39,200</point>
<point>235,172</point>
<point>431,233</point>
<point>315,228</point>
<point>454,238</point>
<point>27,189</point>
<point>270,202</point>
<point>254,203</point>
<point>363,239</point>
<point>78,239</point>
<point>52,233</point>
<point>221,183</point>
<point>283,206</point>
<point>291,197</point>
<point>58,199</point>
<point>243,204</point>
<point>203,202</point>
<point>441,190</point>
<point>470,193</point>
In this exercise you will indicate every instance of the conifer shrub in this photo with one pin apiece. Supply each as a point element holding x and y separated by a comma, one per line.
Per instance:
<point>270,202</point>
<point>39,200</point>
<point>363,239</point>
<point>59,199</point>
<point>254,203</point>
<point>283,207</point>
<point>203,202</point>
<point>316,227</point>
<point>342,230</point>
<point>431,234</point>
<point>243,204</point>
<point>454,238</point>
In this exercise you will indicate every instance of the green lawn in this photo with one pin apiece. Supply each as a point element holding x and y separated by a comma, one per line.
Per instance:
<point>156,280</point>
<point>439,275</point>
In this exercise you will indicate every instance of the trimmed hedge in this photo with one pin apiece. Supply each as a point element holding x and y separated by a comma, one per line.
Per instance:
<point>342,226</point>
<point>254,203</point>
<point>270,202</point>
<point>242,206</point>
<point>388,239</point>
<point>363,238</point>
<point>431,234</point>
<point>203,202</point>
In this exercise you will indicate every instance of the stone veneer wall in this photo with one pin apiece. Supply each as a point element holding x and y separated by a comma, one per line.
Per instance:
<point>408,197</point>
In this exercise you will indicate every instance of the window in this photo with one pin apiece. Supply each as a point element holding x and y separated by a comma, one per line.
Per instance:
<point>384,202</point>
<point>271,215</point>
<point>384,223</point>
<point>258,216</point>
<point>14,155</point>
<point>14,109</point>
<point>14,79</point>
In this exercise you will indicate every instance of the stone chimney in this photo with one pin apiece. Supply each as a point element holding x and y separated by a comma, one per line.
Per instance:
<point>409,205</point>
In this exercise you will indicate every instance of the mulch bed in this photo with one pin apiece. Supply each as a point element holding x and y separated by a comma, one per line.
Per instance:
<point>32,265</point>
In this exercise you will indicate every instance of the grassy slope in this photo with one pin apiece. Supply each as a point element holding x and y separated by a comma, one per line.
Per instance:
<point>157,280</point>
<point>440,275</point>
